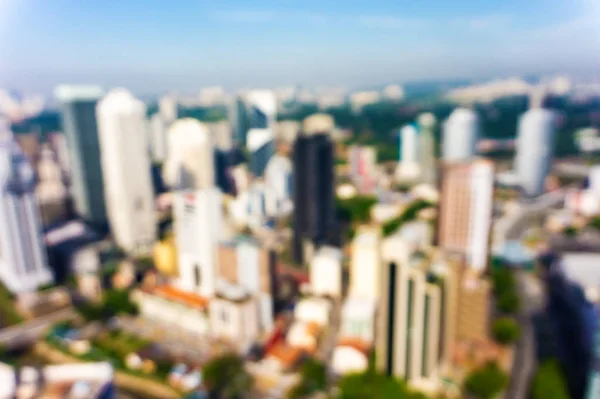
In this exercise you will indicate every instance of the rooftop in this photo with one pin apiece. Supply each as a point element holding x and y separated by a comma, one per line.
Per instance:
<point>171,293</point>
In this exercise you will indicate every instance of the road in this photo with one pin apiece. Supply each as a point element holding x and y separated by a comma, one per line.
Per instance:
<point>31,331</point>
<point>517,223</point>
<point>525,362</point>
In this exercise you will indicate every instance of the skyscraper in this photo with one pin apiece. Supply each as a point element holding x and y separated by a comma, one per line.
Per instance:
<point>168,108</point>
<point>535,147</point>
<point>197,223</point>
<point>23,263</point>
<point>127,175</point>
<point>314,211</point>
<point>261,106</point>
<point>278,175</point>
<point>427,160</point>
<point>238,118</point>
<point>465,210</point>
<point>78,105</point>
<point>190,164</point>
<point>261,145</point>
<point>158,138</point>
<point>461,133</point>
<point>408,140</point>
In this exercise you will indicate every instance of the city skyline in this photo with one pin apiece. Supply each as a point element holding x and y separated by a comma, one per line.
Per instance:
<point>153,47</point>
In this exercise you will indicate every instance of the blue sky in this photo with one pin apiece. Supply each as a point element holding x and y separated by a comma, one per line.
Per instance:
<point>152,46</point>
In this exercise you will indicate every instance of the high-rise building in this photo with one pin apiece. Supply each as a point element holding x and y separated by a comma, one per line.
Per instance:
<point>158,138</point>
<point>78,104</point>
<point>408,140</point>
<point>314,211</point>
<point>190,163</point>
<point>238,118</point>
<point>363,163</point>
<point>23,263</point>
<point>427,159</point>
<point>168,108</point>
<point>465,210</point>
<point>262,109</point>
<point>366,264</point>
<point>278,175</point>
<point>535,147</point>
<point>410,316</point>
<point>326,272</point>
<point>126,167</point>
<point>461,133</point>
<point>261,145</point>
<point>197,216</point>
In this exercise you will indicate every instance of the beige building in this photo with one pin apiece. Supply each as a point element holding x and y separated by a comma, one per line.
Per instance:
<point>465,210</point>
<point>234,314</point>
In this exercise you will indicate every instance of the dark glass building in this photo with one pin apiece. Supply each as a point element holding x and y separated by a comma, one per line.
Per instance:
<point>314,209</point>
<point>78,106</point>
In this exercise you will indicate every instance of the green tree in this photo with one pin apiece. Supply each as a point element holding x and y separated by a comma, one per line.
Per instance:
<point>508,302</point>
<point>503,281</point>
<point>549,382</point>
<point>409,214</point>
<point>506,330</point>
<point>486,382</point>
<point>118,301</point>
<point>313,379</point>
<point>8,312</point>
<point>226,377</point>
<point>373,385</point>
<point>570,231</point>
<point>356,209</point>
<point>594,223</point>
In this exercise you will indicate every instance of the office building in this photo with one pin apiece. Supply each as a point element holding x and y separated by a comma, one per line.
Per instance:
<point>128,188</point>
<point>158,138</point>
<point>245,263</point>
<point>238,118</point>
<point>366,264</point>
<point>465,210</point>
<point>23,263</point>
<point>279,176</point>
<point>326,272</point>
<point>314,211</point>
<point>363,164</point>
<point>234,314</point>
<point>535,147</point>
<point>261,145</point>
<point>261,106</point>
<point>427,159</point>
<point>78,110</point>
<point>197,217</point>
<point>410,316</point>
<point>460,135</point>
<point>190,163</point>
<point>168,108</point>
<point>51,191</point>
<point>408,140</point>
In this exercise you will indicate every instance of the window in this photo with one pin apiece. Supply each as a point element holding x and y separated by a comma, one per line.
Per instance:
<point>197,275</point>
<point>224,315</point>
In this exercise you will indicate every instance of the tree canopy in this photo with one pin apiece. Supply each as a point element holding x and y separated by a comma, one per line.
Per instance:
<point>374,385</point>
<point>506,330</point>
<point>549,382</point>
<point>226,377</point>
<point>313,379</point>
<point>409,214</point>
<point>486,382</point>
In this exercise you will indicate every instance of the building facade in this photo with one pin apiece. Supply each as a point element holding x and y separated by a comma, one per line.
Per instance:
<point>78,111</point>
<point>190,164</point>
<point>197,224</point>
<point>23,263</point>
<point>427,158</point>
<point>261,144</point>
<point>125,160</point>
<point>535,148</point>
<point>314,211</point>
<point>460,135</point>
<point>465,210</point>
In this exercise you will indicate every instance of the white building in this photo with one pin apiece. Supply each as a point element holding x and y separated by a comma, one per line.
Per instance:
<point>363,165</point>
<point>461,133</point>
<point>168,108</point>
<point>408,166</point>
<point>535,144</point>
<point>326,272</point>
<point>366,264</point>
<point>23,264</point>
<point>360,99</point>
<point>158,138</point>
<point>278,175</point>
<point>126,170</point>
<point>190,163</point>
<point>51,187</point>
<point>197,224</point>
<point>234,314</point>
